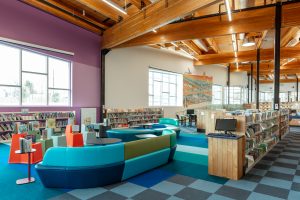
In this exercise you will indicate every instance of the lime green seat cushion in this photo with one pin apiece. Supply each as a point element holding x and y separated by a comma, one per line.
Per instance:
<point>141,147</point>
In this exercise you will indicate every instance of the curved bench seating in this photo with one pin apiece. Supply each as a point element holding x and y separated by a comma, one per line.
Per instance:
<point>129,134</point>
<point>95,166</point>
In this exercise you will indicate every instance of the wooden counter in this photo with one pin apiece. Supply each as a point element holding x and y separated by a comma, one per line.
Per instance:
<point>226,156</point>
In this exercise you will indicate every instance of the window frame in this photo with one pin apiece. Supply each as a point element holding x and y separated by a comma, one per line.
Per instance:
<point>162,73</point>
<point>21,71</point>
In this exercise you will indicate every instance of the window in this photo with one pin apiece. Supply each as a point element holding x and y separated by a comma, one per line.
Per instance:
<point>235,95</point>
<point>217,94</point>
<point>165,88</point>
<point>283,96</point>
<point>33,79</point>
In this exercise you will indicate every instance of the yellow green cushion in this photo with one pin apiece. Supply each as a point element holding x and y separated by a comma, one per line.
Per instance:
<point>141,147</point>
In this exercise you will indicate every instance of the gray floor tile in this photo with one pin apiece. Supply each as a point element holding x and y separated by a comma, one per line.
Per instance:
<point>109,187</point>
<point>182,180</point>
<point>151,195</point>
<point>262,166</point>
<point>192,194</point>
<point>167,187</point>
<point>252,177</point>
<point>291,151</point>
<point>269,158</point>
<point>289,157</point>
<point>272,191</point>
<point>297,172</point>
<point>287,177</point>
<point>233,193</point>
<point>296,187</point>
<point>286,165</point>
<point>108,196</point>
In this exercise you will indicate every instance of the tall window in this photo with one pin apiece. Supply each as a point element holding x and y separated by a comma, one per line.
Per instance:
<point>235,95</point>
<point>283,96</point>
<point>32,79</point>
<point>217,94</point>
<point>165,88</point>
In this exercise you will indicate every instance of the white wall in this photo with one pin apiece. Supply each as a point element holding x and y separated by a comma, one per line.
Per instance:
<point>126,82</point>
<point>284,87</point>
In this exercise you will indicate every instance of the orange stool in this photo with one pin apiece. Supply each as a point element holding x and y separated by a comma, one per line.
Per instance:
<point>35,156</point>
<point>15,145</point>
<point>74,139</point>
<point>68,129</point>
<point>23,158</point>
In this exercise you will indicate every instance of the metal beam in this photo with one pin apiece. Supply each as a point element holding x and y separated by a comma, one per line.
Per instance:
<point>278,10</point>
<point>248,87</point>
<point>102,83</point>
<point>297,88</point>
<point>257,78</point>
<point>251,81</point>
<point>228,84</point>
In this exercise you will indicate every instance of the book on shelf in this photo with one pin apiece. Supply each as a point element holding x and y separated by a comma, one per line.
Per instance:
<point>25,145</point>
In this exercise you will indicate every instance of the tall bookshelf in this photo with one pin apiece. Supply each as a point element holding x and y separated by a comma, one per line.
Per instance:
<point>10,120</point>
<point>120,118</point>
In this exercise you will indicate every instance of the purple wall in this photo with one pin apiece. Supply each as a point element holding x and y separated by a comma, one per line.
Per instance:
<point>22,22</point>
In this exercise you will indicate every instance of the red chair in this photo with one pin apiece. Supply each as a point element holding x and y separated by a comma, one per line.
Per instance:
<point>23,158</point>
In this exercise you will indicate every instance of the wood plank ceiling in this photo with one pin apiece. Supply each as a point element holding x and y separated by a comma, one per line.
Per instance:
<point>197,32</point>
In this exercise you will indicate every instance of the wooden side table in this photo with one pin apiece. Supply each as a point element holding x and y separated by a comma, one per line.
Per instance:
<point>29,179</point>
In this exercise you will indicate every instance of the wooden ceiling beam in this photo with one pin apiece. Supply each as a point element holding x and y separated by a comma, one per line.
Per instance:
<point>281,81</point>
<point>261,39</point>
<point>102,8</point>
<point>244,56</point>
<point>256,20</point>
<point>74,13</point>
<point>62,15</point>
<point>138,4</point>
<point>152,17</point>
<point>192,46</point>
<point>244,21</point>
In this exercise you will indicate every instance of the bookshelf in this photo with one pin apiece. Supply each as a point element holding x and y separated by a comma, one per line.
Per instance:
<point>9,121</point>
<point>120,118</point>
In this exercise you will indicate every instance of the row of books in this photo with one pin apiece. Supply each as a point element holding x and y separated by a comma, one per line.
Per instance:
<point>6,117</point>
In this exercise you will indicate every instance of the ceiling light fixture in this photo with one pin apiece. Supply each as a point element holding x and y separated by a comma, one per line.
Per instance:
<point>154,31</point>
<point>248,42</point>
<point>115,6</point>
<point>228,10</point>
<point>237,65</point>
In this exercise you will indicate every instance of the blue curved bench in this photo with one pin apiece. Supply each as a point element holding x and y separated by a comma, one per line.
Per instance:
<point>95,166</point>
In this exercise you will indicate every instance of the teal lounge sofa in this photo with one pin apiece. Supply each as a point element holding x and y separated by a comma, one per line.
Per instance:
<point>95,166</point>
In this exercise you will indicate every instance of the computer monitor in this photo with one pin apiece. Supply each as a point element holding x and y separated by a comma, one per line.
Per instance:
<point>190,111</point>
<point>226,125</point>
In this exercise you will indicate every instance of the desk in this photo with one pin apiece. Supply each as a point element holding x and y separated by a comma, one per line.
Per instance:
<point>102,141</point>
<point>144,136</point>
<point>29,179</point>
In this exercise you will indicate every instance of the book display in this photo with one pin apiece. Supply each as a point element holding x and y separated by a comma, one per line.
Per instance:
<point>126,118</point>
<point>284,122</point>
<point>11,122</point>
<point>262,132</point>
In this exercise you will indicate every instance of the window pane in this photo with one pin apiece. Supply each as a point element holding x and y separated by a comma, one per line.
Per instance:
<point>34,62</point>
<point>157,88</point>
<point>172,101</point>
<point>59,97</point>
<point>150,100</point>
<point>165,99</point>
<point>9,65</point>
<point>172,78</point>
<point>165,87</point>
<point>157,76</point>
<point>151,89</point>
<point>10,96</point>
<point>59,74</point>
<point>34,89</point>
<point>172,90</point>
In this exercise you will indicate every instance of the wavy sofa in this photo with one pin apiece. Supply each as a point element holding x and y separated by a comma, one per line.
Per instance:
<point>129,134</point>
<point>95,166</point>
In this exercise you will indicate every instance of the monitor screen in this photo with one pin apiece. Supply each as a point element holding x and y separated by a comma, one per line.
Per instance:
<point>190,111</point>
<point>226,124</point>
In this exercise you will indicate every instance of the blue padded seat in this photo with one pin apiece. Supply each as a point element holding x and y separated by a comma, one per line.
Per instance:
<point>83,167</point>
<point>128,134</point>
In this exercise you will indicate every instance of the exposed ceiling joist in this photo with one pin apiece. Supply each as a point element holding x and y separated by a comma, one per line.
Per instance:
<point>192,46</point>
<point>62,15</point>
<point>153,16</point>
<point>281,81</point>
<point>244,56</point>
<point>102,8</point>
<point>244,21</point>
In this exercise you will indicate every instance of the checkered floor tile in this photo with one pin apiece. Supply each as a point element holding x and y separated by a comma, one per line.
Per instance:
<point>276,176</point>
